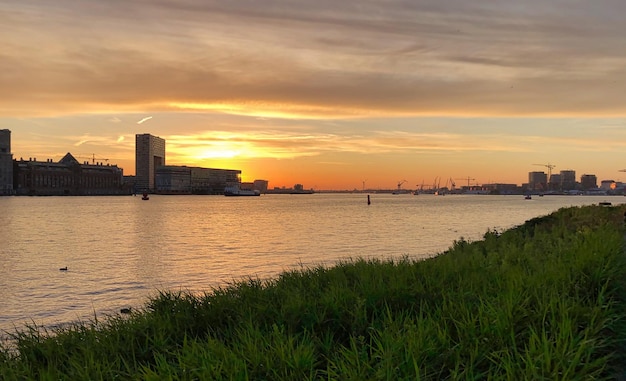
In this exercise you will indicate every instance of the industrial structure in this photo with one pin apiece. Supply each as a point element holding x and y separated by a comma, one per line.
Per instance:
<point>149,155</point>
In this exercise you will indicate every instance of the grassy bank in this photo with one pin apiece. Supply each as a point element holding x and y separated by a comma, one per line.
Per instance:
<point>546,300</point>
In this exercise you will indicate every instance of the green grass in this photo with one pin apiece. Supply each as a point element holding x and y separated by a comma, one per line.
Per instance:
<point>545,300</point>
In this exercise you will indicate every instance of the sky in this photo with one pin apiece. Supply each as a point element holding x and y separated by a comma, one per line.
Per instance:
<point>330,94</point>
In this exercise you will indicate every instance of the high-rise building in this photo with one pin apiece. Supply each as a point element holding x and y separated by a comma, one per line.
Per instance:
<point>6,163</point>
<point>537,181</point>
<point>568,179</point>
<point>588,181</point>
<point>149,155</point>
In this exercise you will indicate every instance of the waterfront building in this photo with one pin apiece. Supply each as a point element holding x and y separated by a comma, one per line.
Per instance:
<point>608,185</point>
<point>568,179</point>
<point>6,163</point>
<point>149,155</point>
<point>496,188</point>
<point>211,180</point>
<point>172,179</point>
<point>555,182</point>
<point>261,185</point>
<point>67,177</point>
<point>588,182</point>
<point>537,181</point>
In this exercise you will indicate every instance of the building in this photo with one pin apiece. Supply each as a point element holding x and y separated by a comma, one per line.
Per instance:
<point>608,185</point>
<point>6,163</point>
<point>261,185</point>
<point>537,181</point>
<point>555,182</point>
<point>149,155</point>
<point>496,188</point>
<point>568,180</point>
<point>67,177</point>
<point>172,179</point>
<point>588,182</point>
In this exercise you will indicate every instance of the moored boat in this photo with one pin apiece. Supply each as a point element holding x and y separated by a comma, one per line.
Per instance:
<point>235,190</point>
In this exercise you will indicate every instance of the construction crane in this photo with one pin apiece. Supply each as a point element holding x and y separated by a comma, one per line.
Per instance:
<point>549,166</point>
<point>400,183</point>
<point>93,158</point>
<point>468,180</point>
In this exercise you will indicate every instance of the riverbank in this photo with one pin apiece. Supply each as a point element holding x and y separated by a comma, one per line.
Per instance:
<point>545,300</point>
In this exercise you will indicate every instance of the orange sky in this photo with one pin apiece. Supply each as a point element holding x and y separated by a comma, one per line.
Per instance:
<point>327,94</point>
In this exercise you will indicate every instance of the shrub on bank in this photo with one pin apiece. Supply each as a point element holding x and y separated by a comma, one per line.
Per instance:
<point>542,301</point>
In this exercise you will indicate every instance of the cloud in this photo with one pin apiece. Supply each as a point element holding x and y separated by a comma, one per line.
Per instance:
<point>314,60</point>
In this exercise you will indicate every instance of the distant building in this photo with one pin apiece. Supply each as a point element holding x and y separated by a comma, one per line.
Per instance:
<point>537,181</point>
<point>588,182</point>
<point>67,177</point>
<point>6,163</point>
<point>149,155</point>
<point>608,185</point>
<point>172,179</point>
<point>568,180</point>
<point>261,185</point>
<point>555,182</point>
<point>497,188</point>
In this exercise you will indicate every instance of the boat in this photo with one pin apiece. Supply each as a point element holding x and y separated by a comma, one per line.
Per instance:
<point>145,197</point>
<point>528,197</point>
<point>234,190</point>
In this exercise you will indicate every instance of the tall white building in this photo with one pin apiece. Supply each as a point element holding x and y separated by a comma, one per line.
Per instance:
<point>149,155</point>
<point>6,163</point>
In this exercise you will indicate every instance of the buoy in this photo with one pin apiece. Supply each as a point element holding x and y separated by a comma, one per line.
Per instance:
<point>368,199</point>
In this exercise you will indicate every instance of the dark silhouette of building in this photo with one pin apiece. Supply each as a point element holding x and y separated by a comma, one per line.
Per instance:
<point>149,155</point>
<point>537,181</point>
<point>568,179</point>
<point>588,182</point>
<point>173,179</point>
<point>67,177</point>
<point>6,163</point>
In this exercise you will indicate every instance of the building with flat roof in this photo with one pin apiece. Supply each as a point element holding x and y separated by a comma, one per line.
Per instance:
<point>6,163</point>
<point>149,155</point>
<point>173,179</point>
<point>568,179</point>
<point>588,182</point>
<point>537,181</point>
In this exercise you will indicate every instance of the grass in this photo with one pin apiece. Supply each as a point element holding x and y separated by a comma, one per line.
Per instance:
<point>545,300</point>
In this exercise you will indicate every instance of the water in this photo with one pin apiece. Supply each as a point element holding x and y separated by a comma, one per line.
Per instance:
<point>121,250</point>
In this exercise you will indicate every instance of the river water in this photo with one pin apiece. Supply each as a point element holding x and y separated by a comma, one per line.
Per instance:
<point>121,250</point>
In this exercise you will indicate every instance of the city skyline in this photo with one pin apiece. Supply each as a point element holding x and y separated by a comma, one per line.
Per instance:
<point>325,94</point>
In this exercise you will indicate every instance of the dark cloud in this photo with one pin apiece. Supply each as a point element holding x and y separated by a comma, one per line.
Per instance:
<point>340,58</point>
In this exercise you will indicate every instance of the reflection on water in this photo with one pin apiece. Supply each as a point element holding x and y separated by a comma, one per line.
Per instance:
<point>119,250</point>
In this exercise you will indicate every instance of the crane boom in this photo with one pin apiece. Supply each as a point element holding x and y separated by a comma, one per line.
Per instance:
<point>550,167</point>
<point>468,180</point>
<point>93,158</point>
